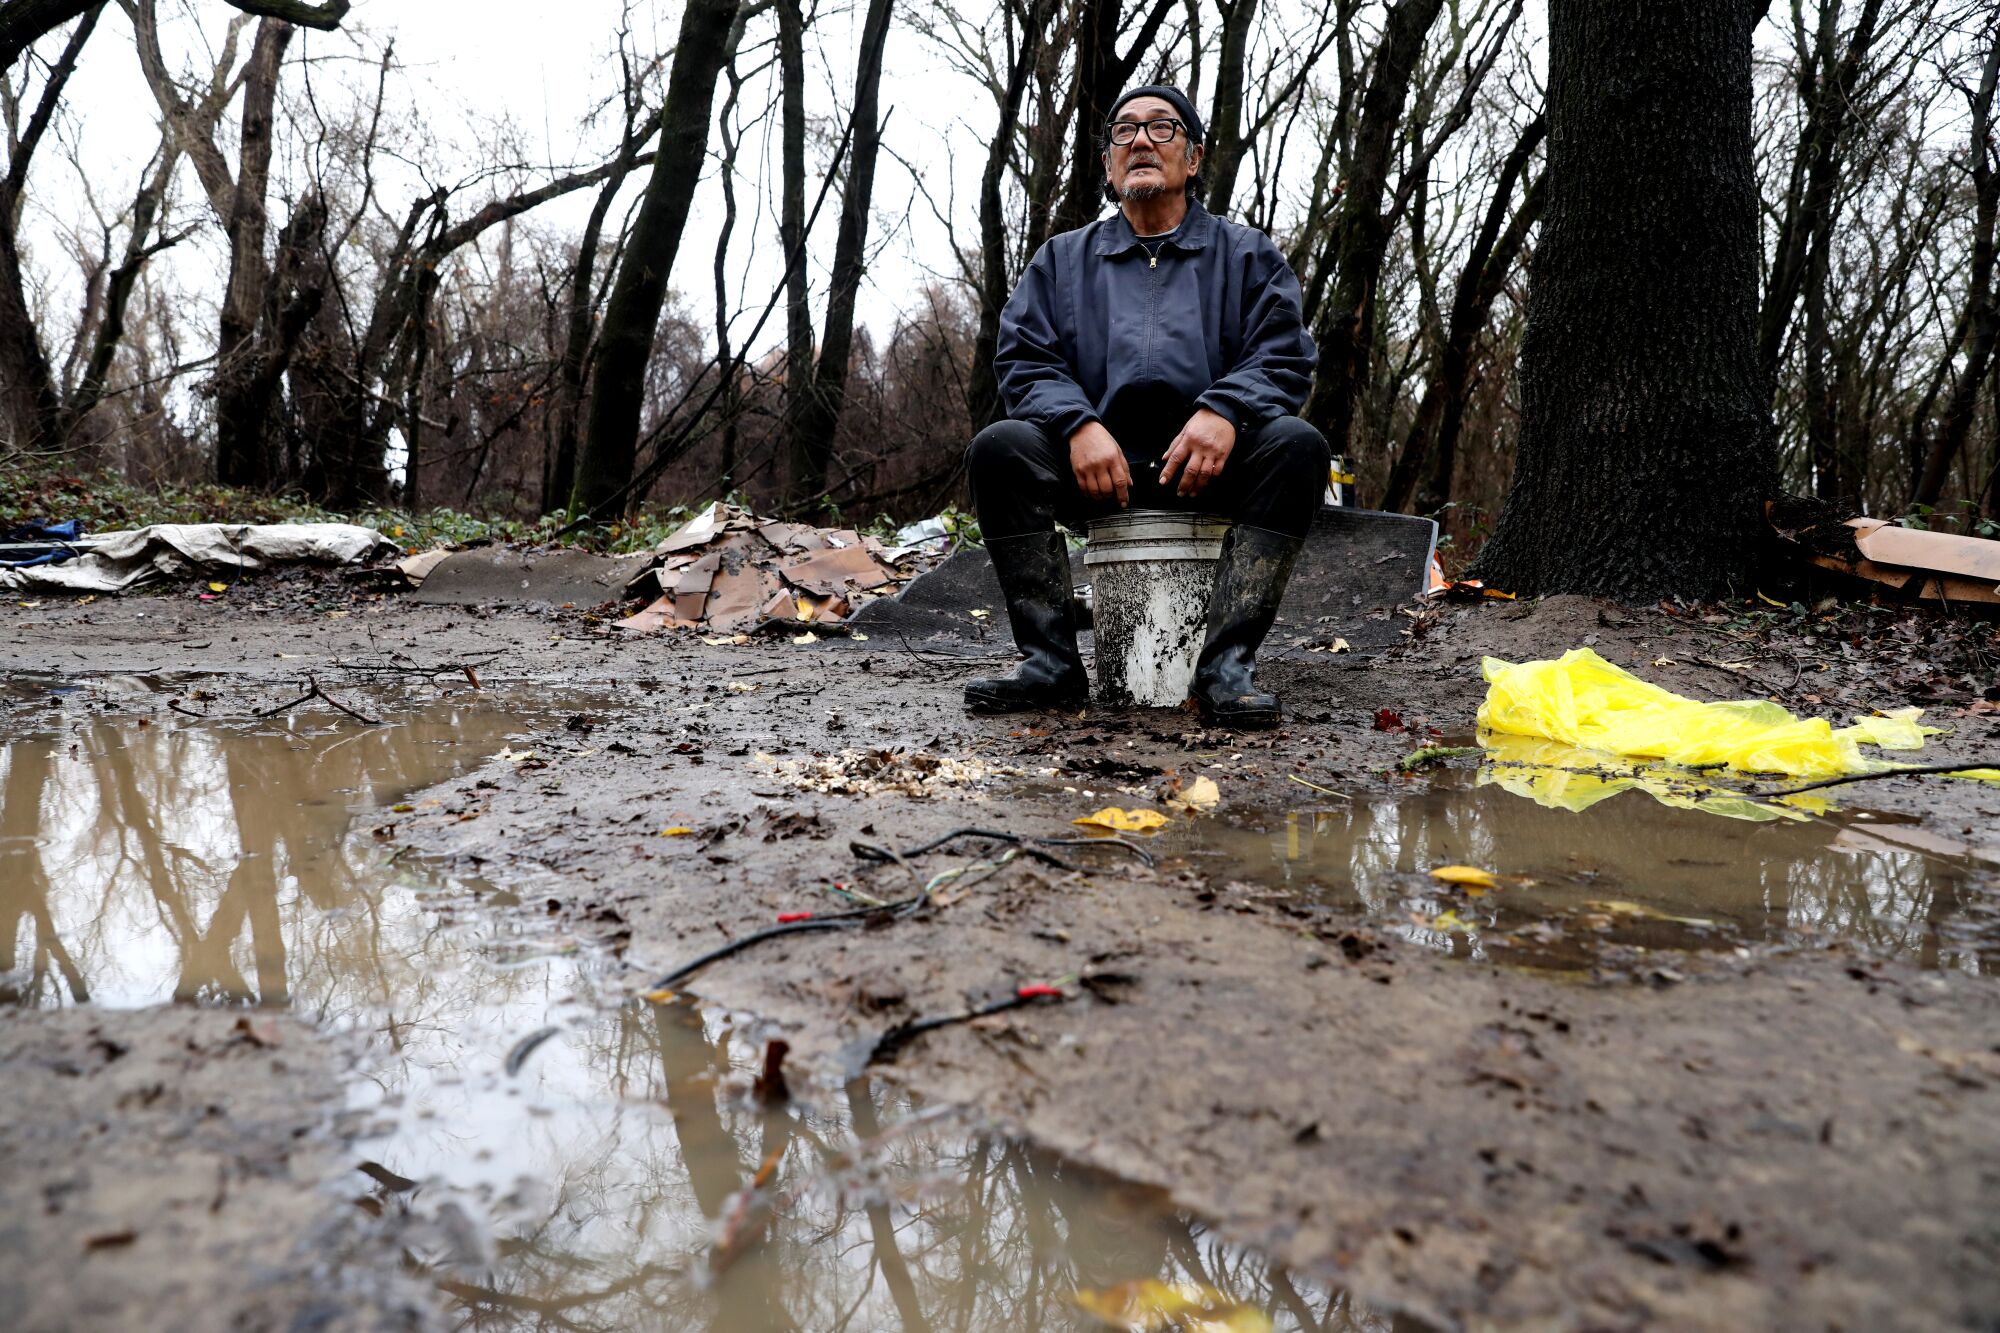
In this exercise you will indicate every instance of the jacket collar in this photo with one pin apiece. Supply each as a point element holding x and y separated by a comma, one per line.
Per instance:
<point>1115,235</point>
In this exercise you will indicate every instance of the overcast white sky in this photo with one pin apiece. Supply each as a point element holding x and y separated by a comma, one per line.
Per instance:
<point>469,65</point>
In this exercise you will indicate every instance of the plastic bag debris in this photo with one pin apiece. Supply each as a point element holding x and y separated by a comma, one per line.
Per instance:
<point>1583,700</point>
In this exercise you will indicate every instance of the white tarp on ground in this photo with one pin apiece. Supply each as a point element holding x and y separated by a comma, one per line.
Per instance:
<point>117,561</point>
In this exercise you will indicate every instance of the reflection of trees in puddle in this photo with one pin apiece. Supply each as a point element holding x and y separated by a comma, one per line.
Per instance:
<point>1780,880</point>
<point>210,865</point>
<point>701,1208</point>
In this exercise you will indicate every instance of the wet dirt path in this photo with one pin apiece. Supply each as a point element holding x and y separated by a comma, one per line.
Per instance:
<point>1738,1075</point>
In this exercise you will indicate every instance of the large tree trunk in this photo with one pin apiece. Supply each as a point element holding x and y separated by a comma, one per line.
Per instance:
<point>244,454</point>
<point>1646,439</point>
<point>1101,75</point>
<point>1345,324</point>
<point>812,437</point>
<point>632,317</point>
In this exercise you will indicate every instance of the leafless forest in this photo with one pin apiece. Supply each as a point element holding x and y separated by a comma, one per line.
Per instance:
<point>518,340</point>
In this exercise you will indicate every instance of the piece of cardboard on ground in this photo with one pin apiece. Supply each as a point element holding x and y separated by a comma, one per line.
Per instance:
<point>1910,564</point>
<point>731,571</point>
<point>486,575</point>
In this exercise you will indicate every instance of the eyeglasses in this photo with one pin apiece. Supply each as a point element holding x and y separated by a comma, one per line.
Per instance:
<point>1159,131</point>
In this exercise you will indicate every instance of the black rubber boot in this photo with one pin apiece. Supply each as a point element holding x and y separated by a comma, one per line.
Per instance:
<point>1250,578</point>
<point>1034,575</point>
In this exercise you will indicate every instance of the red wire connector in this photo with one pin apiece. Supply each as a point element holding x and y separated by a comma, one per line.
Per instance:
<point>786,918</point>
<point>1038,992</point>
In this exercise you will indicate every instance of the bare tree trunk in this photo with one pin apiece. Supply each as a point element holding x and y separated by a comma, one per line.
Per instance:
<point>632,317</point>
<point>792,211</point>
<point>243,448</point>
<point>1981,321</point>
<point>1225,117</point>
<point>24,22</point>
<point>1646,438</point>
<point>812,440</point>
<point>982,396</point>
<point>1433,437</point>
<point>31,408</point>
<point>1101,75</point>
<point>1344,326</point>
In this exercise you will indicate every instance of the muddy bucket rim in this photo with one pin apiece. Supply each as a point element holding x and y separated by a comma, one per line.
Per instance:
<point>1142,535</point>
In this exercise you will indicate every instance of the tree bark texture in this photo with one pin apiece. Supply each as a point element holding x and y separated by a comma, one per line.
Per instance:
<point>1646,437</point>
<point>1345,324</point>
<point>812,439</point>
<point>1101,75</point>
<point>243,449</point>
<point>632,316</point>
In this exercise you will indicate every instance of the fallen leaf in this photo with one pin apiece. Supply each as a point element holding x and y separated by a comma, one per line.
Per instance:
<point>1387,719</point>
<point>677,831</point>
<point>742,687</point>
<point>218,587</point>
<point>980,615</point>
<point>1199,795</point>
<point>404,809</point>
<point>1150,1305</point>
<point>661,996</point>
<point>1471,876</point>
<point>807,637</point>
<point>1124,821</point>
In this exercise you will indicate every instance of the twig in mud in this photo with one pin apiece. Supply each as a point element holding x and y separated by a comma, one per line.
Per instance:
<point>892,1041</point>
<point>1915,771</point>
<point>889,911</point>
<point>399,665</point>
<point>525,1047</point>
<point>1324,791</point>
<point>175,705</point>
<point>315,692</point>
<point>868,851</point>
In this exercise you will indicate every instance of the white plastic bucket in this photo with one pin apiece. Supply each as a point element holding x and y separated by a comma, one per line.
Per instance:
<point>1151,572</point>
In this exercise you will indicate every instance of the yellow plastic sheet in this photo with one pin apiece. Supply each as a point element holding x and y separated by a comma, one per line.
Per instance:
<point>1580,699</point>
<point>1563,777</point>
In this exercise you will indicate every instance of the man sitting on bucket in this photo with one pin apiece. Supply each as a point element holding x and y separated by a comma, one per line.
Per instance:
<point>1153,358</point>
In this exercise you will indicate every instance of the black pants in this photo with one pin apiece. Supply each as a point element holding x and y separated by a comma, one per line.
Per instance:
<point>1275,478</point>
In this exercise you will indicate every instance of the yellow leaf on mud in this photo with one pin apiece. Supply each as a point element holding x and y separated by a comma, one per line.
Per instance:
<point>1152,1306</point>
<point>675,832</point>
<point>807,637</point>
<point>980,615</point>
<point>218,587</point>
<point>1448,920</point>
<point>403,809</point>
<point>662,996</point>
<point>1470,876</point>
<point>1124,821</point>
<point>1199,795</point>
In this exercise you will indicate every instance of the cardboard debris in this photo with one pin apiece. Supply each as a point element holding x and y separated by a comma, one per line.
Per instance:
<point>1908,562</point>
<point>727,569</point>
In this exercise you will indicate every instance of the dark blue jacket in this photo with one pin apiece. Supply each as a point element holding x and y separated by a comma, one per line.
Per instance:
<point>1102,329</point>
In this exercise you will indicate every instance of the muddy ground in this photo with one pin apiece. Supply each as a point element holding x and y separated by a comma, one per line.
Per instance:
<point>1769,1134</point>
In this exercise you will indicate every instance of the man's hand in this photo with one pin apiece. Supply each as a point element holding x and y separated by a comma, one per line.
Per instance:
<point>1099,464</point>
<point>1198,452</point>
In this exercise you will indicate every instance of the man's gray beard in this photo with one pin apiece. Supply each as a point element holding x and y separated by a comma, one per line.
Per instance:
<point>1139,194</point>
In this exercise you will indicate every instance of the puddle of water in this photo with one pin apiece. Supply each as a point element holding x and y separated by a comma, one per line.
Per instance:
<point>1625,869</point>
<point>626,1174</point>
